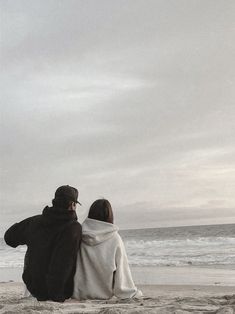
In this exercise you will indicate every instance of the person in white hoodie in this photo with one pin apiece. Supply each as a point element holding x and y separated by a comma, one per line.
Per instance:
<point>102,269</point>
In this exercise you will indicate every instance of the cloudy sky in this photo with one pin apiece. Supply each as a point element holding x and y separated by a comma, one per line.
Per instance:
<point>131,100</point>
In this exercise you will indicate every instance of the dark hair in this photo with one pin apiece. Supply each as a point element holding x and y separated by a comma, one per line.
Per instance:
<point>101,210</point>
<point>61,203</point>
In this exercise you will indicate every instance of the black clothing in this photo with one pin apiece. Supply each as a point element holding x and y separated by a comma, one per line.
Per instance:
<point>53,240</point>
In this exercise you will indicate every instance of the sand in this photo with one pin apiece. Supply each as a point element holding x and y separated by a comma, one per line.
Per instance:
<point>159,299</point>
<point>178,290</point>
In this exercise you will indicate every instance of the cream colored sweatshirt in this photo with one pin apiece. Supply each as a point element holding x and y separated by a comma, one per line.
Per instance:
<point>102,265</point>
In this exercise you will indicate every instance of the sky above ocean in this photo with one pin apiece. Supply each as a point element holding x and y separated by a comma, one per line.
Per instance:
<point>130,100</point>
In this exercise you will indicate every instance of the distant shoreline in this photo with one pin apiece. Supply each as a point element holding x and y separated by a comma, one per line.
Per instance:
<point>181,226</point>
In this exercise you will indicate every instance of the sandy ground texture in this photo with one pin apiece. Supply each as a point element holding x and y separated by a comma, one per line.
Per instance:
<point>157,299</point>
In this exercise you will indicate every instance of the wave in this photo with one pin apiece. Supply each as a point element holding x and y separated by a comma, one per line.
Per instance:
<point>182,252</point>
<point>200,251</point>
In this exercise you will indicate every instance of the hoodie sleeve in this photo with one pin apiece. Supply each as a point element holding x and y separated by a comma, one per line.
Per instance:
<point>124,286</point>
<point>18,233</point>
<point>63,262</point>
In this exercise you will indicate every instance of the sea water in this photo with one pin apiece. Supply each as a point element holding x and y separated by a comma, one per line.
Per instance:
<point>203,246</point>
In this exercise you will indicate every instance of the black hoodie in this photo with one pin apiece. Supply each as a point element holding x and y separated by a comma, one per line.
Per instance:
<point>53,240</point>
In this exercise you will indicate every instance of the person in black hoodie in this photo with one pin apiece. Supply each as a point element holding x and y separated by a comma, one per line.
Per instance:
<point>53,239</point>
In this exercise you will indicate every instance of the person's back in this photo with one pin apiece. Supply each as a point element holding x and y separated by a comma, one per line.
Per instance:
<point>102,265</point>
<point>53,239</point>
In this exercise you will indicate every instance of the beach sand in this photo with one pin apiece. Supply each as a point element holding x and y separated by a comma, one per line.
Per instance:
<point>159,299</point>
<point>166,290</point>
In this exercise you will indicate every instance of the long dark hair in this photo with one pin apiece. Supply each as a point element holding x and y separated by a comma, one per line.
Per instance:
<point>101,210</point>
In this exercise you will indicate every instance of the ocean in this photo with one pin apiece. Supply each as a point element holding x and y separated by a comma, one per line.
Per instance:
<point>204,246</point>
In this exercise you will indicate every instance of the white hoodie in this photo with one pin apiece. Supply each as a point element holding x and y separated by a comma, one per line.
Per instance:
<point>102,266</point>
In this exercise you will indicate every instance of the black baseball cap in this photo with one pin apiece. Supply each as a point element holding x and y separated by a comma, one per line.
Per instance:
<point>67,192</point>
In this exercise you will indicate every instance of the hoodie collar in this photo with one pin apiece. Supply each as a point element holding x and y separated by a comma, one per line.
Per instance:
<point>54,215</point>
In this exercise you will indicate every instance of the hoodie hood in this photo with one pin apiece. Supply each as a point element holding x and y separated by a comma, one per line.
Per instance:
<point>55,215</point>
<point>96,231</point>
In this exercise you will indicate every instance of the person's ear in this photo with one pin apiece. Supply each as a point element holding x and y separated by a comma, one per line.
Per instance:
<point>70,205</point>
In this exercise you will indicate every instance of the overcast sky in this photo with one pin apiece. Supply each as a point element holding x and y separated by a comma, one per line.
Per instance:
<point>131,100</point>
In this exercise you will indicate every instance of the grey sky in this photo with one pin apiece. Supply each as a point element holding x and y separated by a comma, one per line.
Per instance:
<point>128,100</point>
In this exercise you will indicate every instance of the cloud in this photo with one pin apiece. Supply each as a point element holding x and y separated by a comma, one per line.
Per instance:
<point>128,100</point>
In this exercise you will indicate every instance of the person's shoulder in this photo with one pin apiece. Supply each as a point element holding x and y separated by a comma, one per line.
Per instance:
<point>117,238</point>
<point>120,242</point>
<point>76,224</point>
<point>74,227</point>
<point>35,218</point>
